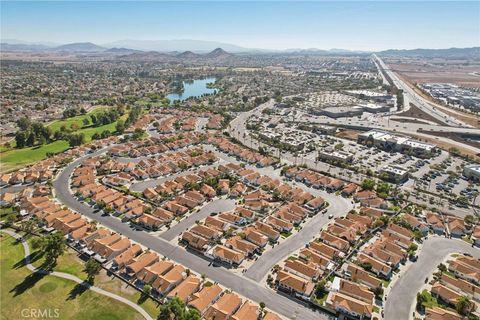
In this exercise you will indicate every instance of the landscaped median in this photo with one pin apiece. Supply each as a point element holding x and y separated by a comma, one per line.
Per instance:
<point>25,293</point>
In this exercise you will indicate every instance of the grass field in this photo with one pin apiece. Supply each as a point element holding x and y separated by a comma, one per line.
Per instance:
<point>12,159</point>
<point>22,289</point>
<point>69,262</point>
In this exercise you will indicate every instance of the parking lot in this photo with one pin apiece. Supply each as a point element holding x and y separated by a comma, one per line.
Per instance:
<point>446,179</point>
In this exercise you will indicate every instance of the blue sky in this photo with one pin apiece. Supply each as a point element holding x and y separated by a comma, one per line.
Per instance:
<point>357,25</point>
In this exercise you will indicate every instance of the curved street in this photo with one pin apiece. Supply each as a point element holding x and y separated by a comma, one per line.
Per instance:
<point>290,308</point>
<point>400,302</point>
<point>68,276</point>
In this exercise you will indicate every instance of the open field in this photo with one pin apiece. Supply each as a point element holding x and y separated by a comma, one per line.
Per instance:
<point>437,70</point>
<point>22,289</point>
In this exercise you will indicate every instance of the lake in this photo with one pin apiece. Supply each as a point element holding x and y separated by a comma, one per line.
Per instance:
<point>195,88</point>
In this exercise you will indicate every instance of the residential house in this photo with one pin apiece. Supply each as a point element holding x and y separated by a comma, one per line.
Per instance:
<point>292,283</point>
<point>203,299</point>
<point>224,308</point>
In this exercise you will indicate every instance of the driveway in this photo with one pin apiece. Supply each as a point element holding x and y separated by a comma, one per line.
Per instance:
<point>400,302</point>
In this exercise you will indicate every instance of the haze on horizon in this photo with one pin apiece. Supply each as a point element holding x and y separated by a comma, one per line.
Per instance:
<point>358,25</point>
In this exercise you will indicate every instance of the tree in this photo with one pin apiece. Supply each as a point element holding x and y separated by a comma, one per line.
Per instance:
<point>147,289</point>
<point>85,122</point>
<point>42,140</point>
<point>262,305</point>
<point>28,226</point>
<point>470,219</point>
<point>24,123</point>
<point>76,139</point>
<point>421,299</point>
<point>442,267</point>
<point>70,112</point>
<point>52,246</point>
<point>368,184</point>
<point>464,306</point>
<point>20,139</point>
<point>176,309</point>
<point>120,126</point>
<point>92,268</point>
<point>138,133</point>
<point>31,139</point>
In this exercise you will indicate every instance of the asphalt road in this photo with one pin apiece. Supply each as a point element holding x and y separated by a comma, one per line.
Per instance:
<point>218,205</point>
<point>289,308</point>
<point>13,189</point>
<point>339,206</point>
<point>401,299</point>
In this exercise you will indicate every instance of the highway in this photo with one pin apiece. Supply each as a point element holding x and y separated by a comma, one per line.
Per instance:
<point>401,298</point>
<point>248,288</point>
<point>410,96</point>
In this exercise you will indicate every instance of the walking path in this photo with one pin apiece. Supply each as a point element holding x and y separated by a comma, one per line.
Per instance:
<point>68,276</point>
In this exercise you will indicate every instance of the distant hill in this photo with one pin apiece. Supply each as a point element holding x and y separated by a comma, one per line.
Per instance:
<point>197,46</point>
<point>435,53</point>
<point>188,55</point>
<point>147,56</point>
<point>218,53</point>
<point>121,50</point>
<point>80,47</point>
<point>22,47</point>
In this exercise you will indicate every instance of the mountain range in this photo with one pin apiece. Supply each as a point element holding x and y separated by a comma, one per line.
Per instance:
<point>193,49</point>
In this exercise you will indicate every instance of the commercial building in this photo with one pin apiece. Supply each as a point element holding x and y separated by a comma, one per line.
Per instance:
<point>472,171</point>
<point>391,142</point>
<point>375,108</point>
<point>337,156</point>
<point>394,174</point>
<point>371,95</point>
<point>340,112</point>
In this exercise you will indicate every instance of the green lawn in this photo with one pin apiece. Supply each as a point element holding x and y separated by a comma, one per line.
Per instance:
<point>69,262</point>
<point>5,211</point>
<point>17,158</point>
<point>431,301</point>
<point>12,159</point>
<point>78,120</point>
<point>21,289</point>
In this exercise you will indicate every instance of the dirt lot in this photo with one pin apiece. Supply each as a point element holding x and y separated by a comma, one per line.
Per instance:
<point>415,112</point>
<point>463,73</point>
<point>348,134</point>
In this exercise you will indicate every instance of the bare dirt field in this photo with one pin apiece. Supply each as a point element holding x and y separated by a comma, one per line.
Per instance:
<point>348,134</point>
<point>416,113</point>
<point>409,120</point>
<point>463,73</point>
